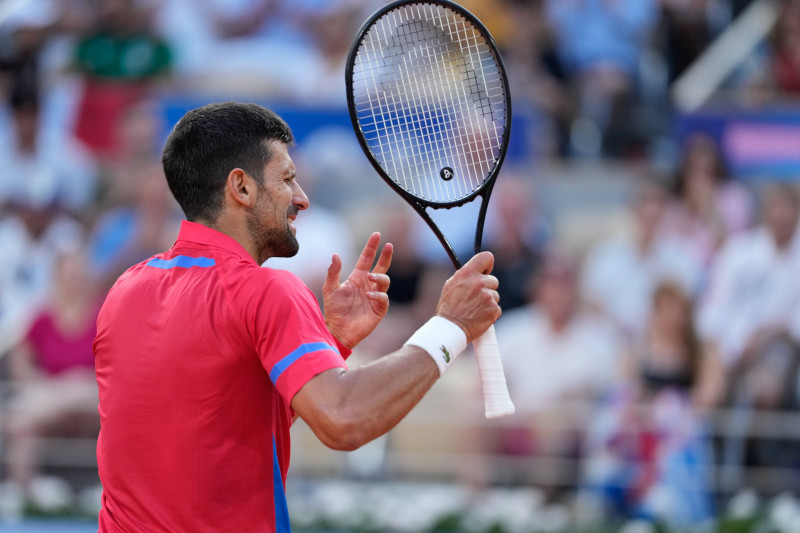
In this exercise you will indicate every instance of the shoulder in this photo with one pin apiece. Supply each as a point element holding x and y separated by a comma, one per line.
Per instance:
<point>275,280</point>
<point>127,282</point>
<point>263,290</point>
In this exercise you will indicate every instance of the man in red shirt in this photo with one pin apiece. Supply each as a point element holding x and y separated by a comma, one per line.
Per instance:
<point>203,357</point>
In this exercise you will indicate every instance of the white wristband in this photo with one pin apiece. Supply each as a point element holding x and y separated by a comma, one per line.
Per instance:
<point>442,339</point>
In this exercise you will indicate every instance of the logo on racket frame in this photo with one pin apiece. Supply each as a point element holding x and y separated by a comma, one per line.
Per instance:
<point>446,173</point>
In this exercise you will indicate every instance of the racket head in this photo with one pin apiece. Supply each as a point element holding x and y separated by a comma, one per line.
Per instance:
<point>429,101</point>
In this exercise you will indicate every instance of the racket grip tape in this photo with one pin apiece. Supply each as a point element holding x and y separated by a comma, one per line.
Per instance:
<point>495,390</point>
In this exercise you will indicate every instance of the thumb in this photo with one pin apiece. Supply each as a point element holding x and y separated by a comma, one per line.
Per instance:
<point>482,262</point>
<point>332,279</point>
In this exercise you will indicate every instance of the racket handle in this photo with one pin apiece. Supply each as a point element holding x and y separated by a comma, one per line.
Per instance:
<point>495,391</point>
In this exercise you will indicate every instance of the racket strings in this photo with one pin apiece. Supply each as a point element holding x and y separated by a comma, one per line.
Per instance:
<point>474,88</point>
<point>429,96</point>
<point>438,83</point>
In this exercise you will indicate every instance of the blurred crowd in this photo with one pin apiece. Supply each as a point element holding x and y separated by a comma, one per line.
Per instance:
<point>689,306</point>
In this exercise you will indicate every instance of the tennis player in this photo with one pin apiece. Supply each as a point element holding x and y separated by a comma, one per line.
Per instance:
<point>203,357</point>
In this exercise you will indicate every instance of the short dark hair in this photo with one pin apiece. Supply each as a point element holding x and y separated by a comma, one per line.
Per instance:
<point>210,141</point>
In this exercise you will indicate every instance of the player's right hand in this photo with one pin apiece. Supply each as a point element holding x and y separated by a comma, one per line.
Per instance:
<point>470,299</point>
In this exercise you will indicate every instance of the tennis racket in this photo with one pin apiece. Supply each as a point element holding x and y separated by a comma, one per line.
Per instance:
<point>429,101</point>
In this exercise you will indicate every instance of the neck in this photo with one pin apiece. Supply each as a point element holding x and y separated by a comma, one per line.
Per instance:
<point>782,243</point>
<point>235,230</point>
<point>559,323</point>
<point>663,336</point>
<point>70,304</point>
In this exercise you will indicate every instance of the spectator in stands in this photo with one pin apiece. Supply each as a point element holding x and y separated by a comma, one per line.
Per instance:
<point>517,234</point>
<point>672,355</point>
<point>786,50</point>
<point>600,42</point>
<point>120,58</point>
<point>753,301</point>
<point>62,164</point>
<point>752,313</point>
<point>137,156</point>
<point>558,359</point>
<point>708,206</point>
<point>24,33</point>
<point>26,149</point>
<point>621,272</point>
<point>535,73</point>
<point>647,451</point>
<point>222,45</point>
<point>688,27</point>
<point>131,232</point>
<point>32,230</point>
<point>52,370</point>
<point>330,28</point>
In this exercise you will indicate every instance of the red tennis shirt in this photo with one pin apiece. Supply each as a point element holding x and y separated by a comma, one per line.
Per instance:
<point>199,352</point>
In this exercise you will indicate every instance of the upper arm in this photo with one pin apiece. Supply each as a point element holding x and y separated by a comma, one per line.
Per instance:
<point>333,413</point>
<point>290,336</point>
<point>317,398</point>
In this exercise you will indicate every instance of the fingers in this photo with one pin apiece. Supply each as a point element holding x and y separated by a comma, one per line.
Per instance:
<point>380,297</point>
<point>495,295</point>
<point>368,254</point>
<point>332,278</point>
<point>385,260</point>
<point>482,262</point>
<point>381,281</point>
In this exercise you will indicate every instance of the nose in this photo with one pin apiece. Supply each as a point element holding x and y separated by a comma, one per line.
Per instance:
<point>299,198</point>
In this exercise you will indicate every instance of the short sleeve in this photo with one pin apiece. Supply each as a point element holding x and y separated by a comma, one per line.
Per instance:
<point>290,335</point>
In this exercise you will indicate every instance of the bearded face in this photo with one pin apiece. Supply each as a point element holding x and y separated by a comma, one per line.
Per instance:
<point>270,228</point>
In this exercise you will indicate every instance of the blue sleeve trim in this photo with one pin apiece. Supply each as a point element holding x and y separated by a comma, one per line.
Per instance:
<point>183,261</point>
<point>300,351</point>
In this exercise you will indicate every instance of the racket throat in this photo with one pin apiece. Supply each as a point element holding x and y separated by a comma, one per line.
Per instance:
<point>451,253</point>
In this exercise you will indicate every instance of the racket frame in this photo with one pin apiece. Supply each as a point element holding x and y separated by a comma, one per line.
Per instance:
<point>420,206</point>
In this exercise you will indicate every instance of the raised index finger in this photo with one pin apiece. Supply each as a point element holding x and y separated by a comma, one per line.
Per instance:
<point>368,253</point>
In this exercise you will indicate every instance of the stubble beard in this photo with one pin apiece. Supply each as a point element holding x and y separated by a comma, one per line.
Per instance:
<point>272,242</point>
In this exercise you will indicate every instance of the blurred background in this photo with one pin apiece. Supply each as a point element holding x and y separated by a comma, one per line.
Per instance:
<point>645,229</point>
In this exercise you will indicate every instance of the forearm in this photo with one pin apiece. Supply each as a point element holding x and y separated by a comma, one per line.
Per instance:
<point>362,403</point>
<point>347,409</point>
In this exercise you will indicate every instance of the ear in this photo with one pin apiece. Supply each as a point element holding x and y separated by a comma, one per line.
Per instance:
<point>241,188</point>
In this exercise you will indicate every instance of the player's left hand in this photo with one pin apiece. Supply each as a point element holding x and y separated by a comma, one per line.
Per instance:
<point>354,308</point>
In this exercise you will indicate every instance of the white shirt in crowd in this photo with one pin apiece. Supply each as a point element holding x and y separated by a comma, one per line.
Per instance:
<point>26,271</point>
<point>543,366</point>
<point>619,280</point>
<point>753,285</point>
